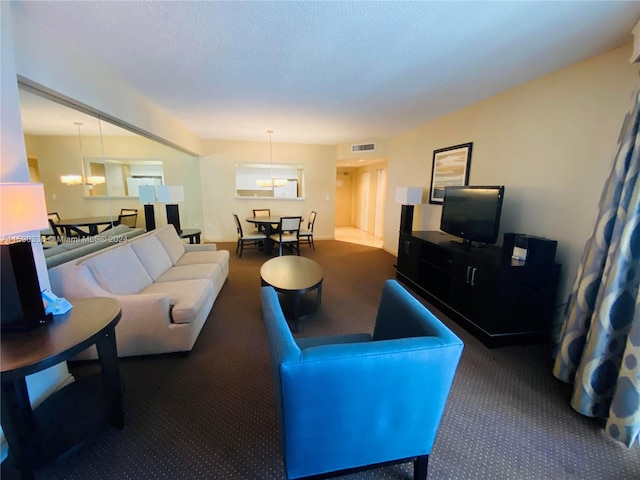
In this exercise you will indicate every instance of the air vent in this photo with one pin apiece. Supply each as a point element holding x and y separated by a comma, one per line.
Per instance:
<point>366,147</point>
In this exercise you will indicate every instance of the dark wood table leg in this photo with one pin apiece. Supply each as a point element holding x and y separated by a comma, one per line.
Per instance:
<point>18,424</point>
<point>268,243</point>
<point>111,382</point>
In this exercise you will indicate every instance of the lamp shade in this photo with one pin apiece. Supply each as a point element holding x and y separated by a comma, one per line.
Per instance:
<point>22,208</point>
<point>168,194</point>
<point>409,195</point>
<point>147,193</point>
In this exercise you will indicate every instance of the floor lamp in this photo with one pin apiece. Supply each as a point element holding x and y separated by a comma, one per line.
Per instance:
<point>171,196</point>
<point>23,211</point>
<point>408,197</point>
<point>147,196</point>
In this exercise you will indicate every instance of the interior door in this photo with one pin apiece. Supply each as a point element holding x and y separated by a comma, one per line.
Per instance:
<point>364,200</point>
<point>344,200</point>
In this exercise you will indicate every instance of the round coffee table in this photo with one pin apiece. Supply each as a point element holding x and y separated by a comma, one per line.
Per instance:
<point>294,276</point>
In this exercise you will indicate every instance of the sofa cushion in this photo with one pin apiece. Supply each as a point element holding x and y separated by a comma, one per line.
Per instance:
<point>119,271</point>
<point>209,256</point>
<point>153,256</point>
<point>190,272</point>
<point>187,297</point>
<point>171,242</point>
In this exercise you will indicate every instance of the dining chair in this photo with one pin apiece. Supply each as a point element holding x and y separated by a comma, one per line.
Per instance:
<point>54,233</point>
<point>288,233</point>
<point>307,233</point>
<point>57,231</point>
<point>253,239</point>
<point>261,212</point>
<point>128,219</point>
<point>128,211</point>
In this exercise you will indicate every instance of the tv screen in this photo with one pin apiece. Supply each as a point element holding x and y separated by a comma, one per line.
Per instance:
<point>472,213</point>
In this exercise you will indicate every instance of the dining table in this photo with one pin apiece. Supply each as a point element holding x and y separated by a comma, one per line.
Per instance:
<point>74,226</point>
<point>270,225</point>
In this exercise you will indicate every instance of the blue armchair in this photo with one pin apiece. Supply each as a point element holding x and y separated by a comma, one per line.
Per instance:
<point>357,401</point>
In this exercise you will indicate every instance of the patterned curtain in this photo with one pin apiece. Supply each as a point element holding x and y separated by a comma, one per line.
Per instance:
<point>599,344</point>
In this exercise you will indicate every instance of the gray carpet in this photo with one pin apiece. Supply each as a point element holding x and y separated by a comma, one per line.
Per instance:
<point>211,415</point>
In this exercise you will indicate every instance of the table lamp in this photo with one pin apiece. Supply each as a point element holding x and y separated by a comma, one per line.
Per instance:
<point>147,195</point>
<point>170,196</point>
<point>408,197</point>
<point>22,210</point>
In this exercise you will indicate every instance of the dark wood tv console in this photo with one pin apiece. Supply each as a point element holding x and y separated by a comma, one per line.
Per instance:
<point>499,300</point>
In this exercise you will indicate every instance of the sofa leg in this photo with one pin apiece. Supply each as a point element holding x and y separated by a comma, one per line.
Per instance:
<point>420,467</point>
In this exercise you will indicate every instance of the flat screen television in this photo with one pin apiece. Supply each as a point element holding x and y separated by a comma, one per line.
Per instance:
<point>472,213</point>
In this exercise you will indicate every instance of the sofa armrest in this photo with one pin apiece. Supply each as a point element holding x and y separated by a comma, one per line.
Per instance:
<point>143,310</point>
<point>200,247</point>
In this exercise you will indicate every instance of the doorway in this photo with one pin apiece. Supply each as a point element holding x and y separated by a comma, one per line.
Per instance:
<point>360,198</point>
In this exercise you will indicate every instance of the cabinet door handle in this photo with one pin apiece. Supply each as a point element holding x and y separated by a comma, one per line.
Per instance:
<point>407,243</point>
<point>468,280</point>
<point>473,277</point>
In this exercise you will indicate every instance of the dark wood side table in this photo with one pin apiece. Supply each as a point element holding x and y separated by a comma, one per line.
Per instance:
<point>36,436</point>
<point>193,234</point>
<point>294,276</point>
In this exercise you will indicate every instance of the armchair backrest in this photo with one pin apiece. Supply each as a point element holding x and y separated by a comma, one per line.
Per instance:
<point>357,400</point>
<point>400,315</point>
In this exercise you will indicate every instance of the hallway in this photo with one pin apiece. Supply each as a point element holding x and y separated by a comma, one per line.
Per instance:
<point>355,235</point>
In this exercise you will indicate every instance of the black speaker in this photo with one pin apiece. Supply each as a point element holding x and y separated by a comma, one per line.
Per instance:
<point>22,306</point>
<point>406,219</point>
<point>149,217</point>
<point>531,249</point>
<point>173,217</point>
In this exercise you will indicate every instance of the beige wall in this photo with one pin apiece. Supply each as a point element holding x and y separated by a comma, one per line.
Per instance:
<point>57,155</point>
<point>217,173</point>
<point>551,142</point>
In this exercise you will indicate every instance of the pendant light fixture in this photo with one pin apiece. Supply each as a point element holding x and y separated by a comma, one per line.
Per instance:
<point>271,182</point>
<point>91,180</point>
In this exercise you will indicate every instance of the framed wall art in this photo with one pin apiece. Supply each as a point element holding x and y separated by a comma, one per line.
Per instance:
<point>450,167</point>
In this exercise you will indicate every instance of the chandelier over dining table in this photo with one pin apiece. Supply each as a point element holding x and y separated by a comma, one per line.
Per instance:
<point>271,182</point>
<point>74,179</point>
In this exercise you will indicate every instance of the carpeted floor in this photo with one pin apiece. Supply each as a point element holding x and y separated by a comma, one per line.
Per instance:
<point>211,415</point>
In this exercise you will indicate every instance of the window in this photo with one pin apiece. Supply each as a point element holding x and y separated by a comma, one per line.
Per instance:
<point>269,180</point>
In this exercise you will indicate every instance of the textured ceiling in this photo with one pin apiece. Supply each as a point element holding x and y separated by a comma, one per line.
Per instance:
<point>329,72</point>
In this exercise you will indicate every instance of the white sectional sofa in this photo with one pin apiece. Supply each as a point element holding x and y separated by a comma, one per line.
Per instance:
<point>165,286</point>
